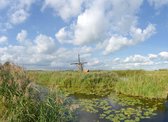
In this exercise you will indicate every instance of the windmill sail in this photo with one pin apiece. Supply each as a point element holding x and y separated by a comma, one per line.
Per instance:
<point>79,64</point>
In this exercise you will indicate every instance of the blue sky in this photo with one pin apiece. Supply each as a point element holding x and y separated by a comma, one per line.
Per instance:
<point>109,34</point>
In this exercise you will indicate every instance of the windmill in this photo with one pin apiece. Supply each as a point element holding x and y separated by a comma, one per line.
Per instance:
<point>79,64</point>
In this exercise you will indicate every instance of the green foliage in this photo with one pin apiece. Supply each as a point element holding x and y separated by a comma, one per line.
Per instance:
<point>152,84</point>
<point>18,105</point>
<point>92,83</point>
<point>126,73</point>
<point>119,108</point>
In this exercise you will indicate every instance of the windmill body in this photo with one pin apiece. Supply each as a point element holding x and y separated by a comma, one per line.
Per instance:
<point>79,64</point>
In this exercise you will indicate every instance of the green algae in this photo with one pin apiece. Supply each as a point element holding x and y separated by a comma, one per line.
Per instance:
<point>120,108</point>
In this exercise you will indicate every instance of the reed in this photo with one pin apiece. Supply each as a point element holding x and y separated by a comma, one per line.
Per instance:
<point>18,103</point>
<point>151,84</point>
<point>93,83</point>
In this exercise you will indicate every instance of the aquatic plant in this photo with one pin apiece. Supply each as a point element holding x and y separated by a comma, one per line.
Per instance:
<point>121,108</point>
<point>150,85</point>
<point>93,83</point>
<point>18,104</point>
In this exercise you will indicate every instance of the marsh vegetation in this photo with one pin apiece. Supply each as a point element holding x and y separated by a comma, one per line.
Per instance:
<point>21,101</point>
<point>147,84</point>
<point>67,96</point>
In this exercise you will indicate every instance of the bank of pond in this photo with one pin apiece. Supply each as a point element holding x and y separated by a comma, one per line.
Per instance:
<point>104,96</point>
<point>70,96</point>
<point>121,108</point>
<point>146,84</point>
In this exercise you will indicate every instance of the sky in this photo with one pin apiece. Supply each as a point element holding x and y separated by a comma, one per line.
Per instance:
<point>108,34</point>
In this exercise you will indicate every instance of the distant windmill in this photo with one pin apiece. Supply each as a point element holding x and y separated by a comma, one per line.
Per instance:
<point>79,64</point>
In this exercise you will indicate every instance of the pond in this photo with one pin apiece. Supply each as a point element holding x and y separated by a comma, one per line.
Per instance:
<point>120,108</point>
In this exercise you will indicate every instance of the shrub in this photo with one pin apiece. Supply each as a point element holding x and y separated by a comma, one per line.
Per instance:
<point>19,104</point>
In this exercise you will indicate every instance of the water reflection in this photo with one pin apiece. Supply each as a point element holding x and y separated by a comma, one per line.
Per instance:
<point>119,108</point>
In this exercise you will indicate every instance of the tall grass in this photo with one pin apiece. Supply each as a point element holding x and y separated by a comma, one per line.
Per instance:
<point>151,84</point>
<point>93,83</point>
<point>127,73</point>
<point>17,102</point>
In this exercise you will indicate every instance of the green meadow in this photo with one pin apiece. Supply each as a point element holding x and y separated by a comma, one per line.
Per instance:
<point>147,84</point>
<point>24,101</point>
<point>57,96</point>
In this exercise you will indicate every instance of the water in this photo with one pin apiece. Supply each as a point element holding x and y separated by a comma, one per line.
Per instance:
<point>120,108</point>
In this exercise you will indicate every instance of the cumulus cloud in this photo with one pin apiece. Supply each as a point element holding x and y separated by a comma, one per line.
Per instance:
<point>158,3</point>
<point>149,61</point>
<point>21,37</point>
<point>18,16</point>
<point>93,62</point>
<point>37,53</point>
<point>137,35</point>
<point>4,4</point>
<point>89,28</point>
<point>20,5</point>
<point>115,43</point>
<point>65,8</point>
<point>132,62</point>
<point>44,44</point>
<point>64,36</point>
<point>108,25</point>
<point>136,59</point>
<point>152,56</point>
<point>164,55</point>
<point>43,53</point>
<point>3,39</point>
<point>18,11</point>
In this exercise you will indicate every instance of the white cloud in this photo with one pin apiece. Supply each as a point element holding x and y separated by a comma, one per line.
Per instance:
<point>63,36</point>
<point>137,35</point>
<point>85,49</point>
<point>158,3</point>
<point>36,53</point>
<point>65,8</point>
<point>164,55</point>
<point>3,39</point>
<point>21,37</point>
<point>136,59</point>
<point>133,62</point>
<point>116,60</point>
<point>4,4</point>
<point>141,62</point>
<point>44,44</point>
<point>108,25</point>
<point>42,53</point>
<point>25,3</point>
<point>89,28</point>
<point>115,43</point>
<point>123,14</point>
<point>17,12</point>
<point>19,16</point>
<point>93,62</point>
<point>152,56</point>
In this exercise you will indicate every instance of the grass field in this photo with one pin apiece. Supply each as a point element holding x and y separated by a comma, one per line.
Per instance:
<point>150,84</point>
<point>20,101</point>
<point>93,83</point>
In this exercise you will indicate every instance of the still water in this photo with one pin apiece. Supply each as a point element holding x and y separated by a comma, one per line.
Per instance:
<point>120,108</point>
